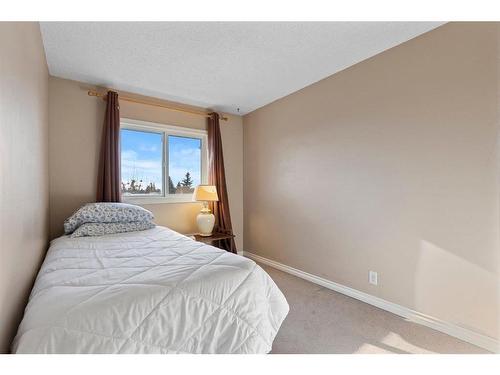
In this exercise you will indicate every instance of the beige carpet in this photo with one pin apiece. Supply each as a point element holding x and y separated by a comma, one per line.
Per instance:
<point>323,321</point>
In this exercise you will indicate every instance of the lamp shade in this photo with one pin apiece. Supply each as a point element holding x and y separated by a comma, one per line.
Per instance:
<point>205,193</point>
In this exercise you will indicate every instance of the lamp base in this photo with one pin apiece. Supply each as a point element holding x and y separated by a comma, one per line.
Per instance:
<point>205,221</point>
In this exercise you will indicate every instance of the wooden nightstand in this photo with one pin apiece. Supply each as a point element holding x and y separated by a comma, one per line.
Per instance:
<point>213,240</point>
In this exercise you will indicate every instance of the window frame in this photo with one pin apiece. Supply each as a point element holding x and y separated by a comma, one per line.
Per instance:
<point>166,130</point>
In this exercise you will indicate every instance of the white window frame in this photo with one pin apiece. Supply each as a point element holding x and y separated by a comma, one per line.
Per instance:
<point>167,130</point>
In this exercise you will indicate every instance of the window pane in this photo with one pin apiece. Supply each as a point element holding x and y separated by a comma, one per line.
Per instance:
<point>141,162</point>
<point>184,164</point>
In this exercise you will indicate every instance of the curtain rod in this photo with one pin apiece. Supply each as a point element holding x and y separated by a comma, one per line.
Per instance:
<point>140,101</point>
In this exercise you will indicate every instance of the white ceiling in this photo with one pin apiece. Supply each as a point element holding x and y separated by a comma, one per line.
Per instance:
<point>218,65</point>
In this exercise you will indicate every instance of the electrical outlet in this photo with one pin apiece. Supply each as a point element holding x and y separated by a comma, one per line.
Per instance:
<point>373,277</point>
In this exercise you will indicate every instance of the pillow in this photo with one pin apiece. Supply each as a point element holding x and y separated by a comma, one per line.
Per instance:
<point>106,213</point>
<point>100,229</point>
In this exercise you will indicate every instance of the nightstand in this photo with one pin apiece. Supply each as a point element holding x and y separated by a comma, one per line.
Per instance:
<point>213,240</point>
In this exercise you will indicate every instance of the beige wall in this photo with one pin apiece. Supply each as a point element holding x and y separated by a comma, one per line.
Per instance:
<point>75,131</point>
<point>392,166</point>
<point>24,201</point>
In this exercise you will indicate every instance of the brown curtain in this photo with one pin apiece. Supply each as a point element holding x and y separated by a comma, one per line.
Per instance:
<point>108,178</point>
<point>217,177</point>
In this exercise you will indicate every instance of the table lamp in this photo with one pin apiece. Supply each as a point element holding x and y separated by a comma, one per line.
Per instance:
<point>205,219</point>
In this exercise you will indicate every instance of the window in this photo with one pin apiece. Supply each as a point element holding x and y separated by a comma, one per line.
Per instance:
<point>161,163</point>
<point>142,162</point>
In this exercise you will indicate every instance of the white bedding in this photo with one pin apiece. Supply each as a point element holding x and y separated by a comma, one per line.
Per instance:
<point>154,291</point>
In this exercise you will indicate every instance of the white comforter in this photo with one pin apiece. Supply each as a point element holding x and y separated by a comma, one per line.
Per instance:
<point>154,291</point>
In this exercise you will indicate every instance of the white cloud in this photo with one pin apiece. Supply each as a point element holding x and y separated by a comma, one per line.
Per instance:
<point>150,170</point>
<point>148,148</point>
<point>147,170</point>
<point>189,152</point>
<point>177,174</point>
<point>129,155</point>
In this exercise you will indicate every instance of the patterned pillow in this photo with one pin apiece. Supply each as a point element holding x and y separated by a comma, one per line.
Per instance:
<point>106,213</point>
<point>100,229</point>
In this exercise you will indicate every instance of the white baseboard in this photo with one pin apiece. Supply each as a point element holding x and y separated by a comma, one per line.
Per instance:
<point>478,339</point>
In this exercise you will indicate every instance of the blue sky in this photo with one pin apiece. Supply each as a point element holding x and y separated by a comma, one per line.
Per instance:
<point>184,154</point>
<point>141,154</point>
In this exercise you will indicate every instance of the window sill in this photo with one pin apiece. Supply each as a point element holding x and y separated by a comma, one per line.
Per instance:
<point>158,200</point>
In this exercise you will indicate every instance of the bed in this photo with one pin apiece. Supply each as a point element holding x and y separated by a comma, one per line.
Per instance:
<point>153,291</point>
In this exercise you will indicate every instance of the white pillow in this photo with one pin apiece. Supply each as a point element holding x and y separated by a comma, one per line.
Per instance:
<point>100,229</point>
<point>106,213</point>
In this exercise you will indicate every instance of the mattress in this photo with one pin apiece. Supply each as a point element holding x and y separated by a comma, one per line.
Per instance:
<point>154,291</point>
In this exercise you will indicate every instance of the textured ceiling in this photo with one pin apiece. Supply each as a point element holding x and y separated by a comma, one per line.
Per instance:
<point>219,65</point>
